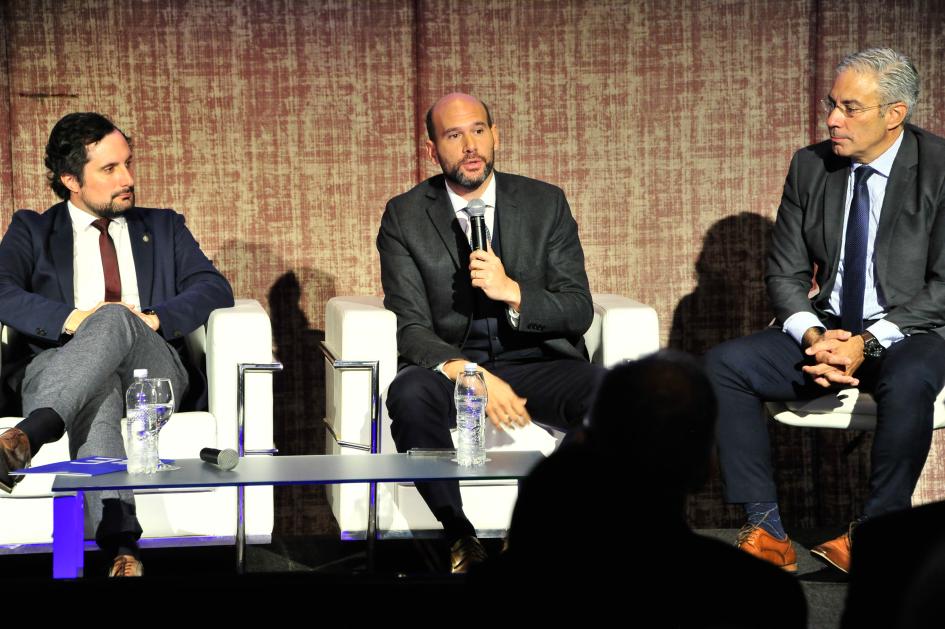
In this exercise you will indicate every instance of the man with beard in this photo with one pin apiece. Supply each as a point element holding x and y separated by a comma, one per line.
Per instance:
<point>98,287</point>
<point>519,309</point>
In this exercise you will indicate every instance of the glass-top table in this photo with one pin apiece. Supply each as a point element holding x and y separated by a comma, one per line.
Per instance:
<point>68,519</point>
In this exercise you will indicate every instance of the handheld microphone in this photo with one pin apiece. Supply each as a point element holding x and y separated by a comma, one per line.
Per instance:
<point>477,223</point>
<point>226,459</point>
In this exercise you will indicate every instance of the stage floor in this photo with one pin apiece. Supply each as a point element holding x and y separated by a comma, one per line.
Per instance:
<point>336,566</point>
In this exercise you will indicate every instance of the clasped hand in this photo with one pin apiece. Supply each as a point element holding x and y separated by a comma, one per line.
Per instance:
<point>78,316</point>
<point>838,354</point>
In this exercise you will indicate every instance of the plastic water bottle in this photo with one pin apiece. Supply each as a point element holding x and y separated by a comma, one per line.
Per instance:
<point>471,397</point>
<point>140,442</point>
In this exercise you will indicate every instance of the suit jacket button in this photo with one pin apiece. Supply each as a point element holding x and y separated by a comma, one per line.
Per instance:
<point>41,331</point>
<point>178,334</point>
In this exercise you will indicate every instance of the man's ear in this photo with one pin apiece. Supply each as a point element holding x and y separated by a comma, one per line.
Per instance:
<point>70,181</point>
<point>431,152</point>
<point>896,115</point>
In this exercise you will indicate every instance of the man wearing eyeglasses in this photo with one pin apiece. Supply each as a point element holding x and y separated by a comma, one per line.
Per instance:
<point>863,216</point>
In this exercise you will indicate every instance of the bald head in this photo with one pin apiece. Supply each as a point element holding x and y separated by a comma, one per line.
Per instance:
<point>462,143</point>
<point>434,113</point>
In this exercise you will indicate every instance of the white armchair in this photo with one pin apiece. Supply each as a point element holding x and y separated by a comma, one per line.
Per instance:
<point>241,334</point>
<point>360,329</point>
<point>854,410</point>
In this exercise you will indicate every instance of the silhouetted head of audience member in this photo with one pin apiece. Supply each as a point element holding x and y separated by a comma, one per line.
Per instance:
<point>657,417</point>
<point>649,442</point>
<point>599,510</point>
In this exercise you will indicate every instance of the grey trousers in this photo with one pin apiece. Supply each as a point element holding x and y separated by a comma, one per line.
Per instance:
<point>84,381</point>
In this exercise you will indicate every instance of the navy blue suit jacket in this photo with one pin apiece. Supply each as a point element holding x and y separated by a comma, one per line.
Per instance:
<point>175,278</point>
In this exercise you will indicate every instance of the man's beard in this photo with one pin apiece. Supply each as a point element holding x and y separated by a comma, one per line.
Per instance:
<point>456,175</point>
<point>110,210</point>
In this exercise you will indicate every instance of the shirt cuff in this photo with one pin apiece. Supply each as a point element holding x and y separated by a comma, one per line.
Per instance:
<point>800,322</point>
<point>69,325</point>
<point>514,317</point>
<point>886,332</point>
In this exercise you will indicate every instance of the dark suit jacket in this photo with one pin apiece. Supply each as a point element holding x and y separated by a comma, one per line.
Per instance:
<point>910,241</point>
<point>426,279</point>
<point>175,278</point>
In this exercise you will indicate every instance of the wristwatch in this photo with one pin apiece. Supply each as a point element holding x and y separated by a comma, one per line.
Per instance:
<point>872,348</point>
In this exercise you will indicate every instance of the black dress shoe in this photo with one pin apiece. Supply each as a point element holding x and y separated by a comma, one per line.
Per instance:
<point>14,455</point>
<point>466,552</point>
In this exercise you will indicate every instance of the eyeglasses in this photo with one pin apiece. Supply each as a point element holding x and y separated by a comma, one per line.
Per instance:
<point>830,104</point>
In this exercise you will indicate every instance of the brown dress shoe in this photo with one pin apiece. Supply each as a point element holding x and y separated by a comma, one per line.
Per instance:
<point>14,455</point>
<point>466,552</point>
<point>758,542</point>
<point>126,566</point>
<point>836,552</point>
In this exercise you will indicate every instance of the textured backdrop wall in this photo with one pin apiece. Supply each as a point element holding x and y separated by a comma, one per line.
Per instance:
<point>280,128</point>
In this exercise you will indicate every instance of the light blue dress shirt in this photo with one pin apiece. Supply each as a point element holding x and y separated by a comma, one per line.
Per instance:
<point>874,304</point>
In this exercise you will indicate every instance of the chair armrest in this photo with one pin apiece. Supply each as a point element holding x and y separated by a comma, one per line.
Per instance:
<point>241,334</point>
<point>623,329</point>
<point>357,329</point>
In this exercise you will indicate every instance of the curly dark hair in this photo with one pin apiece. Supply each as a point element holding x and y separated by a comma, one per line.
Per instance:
<point>66,152</point>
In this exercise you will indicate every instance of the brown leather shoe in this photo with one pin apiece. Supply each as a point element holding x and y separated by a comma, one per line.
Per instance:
<point>126,566</point>
<point>14,455</point>
<point>836,552</point>
<point>465,553</point>
<point>758,542</point>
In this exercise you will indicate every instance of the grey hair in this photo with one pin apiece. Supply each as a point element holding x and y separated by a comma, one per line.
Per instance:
<point>897,78</point>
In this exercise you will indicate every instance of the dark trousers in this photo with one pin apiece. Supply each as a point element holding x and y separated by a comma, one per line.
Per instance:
<point>766,366</point>
<point>420,402</point>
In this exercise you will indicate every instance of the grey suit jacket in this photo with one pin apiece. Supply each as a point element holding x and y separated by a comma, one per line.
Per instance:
<point>426,279</point>
<point>910,241</point>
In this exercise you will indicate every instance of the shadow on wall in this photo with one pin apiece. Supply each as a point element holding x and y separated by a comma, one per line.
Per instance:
<point>730,301</point>
<point>299,400</point>
<point>299,389</point>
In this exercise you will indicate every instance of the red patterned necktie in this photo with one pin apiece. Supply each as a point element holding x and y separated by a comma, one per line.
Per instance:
<point>109,261</point>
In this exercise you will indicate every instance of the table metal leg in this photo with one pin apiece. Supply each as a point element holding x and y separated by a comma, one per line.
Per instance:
<point>241,370</point>
<point>240,530</point>
<point>68,533</point>
<point>374,367</point>
<point>371,535</point>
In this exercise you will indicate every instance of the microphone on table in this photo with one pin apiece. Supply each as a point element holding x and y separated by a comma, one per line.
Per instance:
<point>477,223</point>
<point>226,459</point>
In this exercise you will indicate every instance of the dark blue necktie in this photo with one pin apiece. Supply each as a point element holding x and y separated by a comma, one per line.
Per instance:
<point>854,254</point>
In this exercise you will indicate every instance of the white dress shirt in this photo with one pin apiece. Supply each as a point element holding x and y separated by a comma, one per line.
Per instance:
<point>88,277</point>
<point>459,207</point>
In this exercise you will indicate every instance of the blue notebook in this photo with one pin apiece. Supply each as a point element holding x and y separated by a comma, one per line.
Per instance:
<point>89,466</point>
